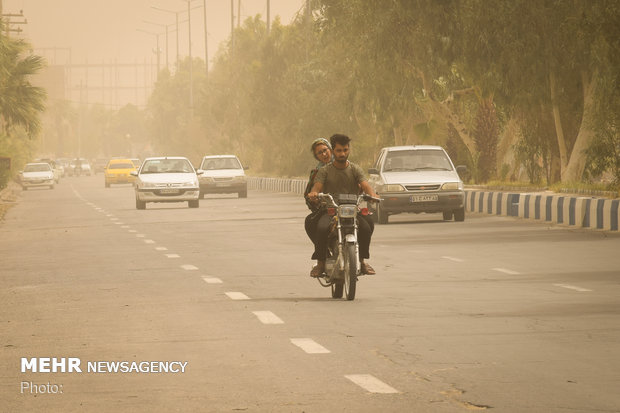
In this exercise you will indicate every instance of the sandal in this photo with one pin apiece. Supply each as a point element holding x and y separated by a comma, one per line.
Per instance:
<point>367,269</point>
<point>316,272</point>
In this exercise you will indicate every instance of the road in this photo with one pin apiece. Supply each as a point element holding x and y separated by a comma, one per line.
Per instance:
<point>493,313</point>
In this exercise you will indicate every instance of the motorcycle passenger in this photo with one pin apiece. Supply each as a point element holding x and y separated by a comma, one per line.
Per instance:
<point>322,151</point>
<point>341,177</point>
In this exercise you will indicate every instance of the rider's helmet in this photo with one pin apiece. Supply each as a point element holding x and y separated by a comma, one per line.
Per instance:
<point>317,142</point>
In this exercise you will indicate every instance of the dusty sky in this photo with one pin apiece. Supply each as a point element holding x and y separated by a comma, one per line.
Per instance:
<point>101,30</point>
<point>105,32</point>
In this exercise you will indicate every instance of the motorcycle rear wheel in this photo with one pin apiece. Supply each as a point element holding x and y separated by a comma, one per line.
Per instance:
<point>350,272</point>
<point>337,289</point>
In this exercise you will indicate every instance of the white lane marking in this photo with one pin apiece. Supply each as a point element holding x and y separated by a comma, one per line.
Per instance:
<point>505,271</point>
<point>161,248</point>
<point>212,280</point>
<point>109,215</point>
<point>118,223</point>
<point>267,317</point>
<point>133,230</point>
<point>140,235</point>
<point>573,287</point>
<point>149,241</point>
<point>235,295</point>
<point>173,255</point>
<point>309,346</point>
<point>125,226</point>
<point>452,259</point>
<point>189,267</point>
<point>371,383</point>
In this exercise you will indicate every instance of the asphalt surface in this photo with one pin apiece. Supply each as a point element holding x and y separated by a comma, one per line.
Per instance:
<point>492,313</point>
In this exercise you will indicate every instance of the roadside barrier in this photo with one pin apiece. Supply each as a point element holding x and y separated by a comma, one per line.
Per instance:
<point>575,211</point>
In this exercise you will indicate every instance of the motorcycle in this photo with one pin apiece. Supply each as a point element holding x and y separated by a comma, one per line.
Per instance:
<point>342,266</point>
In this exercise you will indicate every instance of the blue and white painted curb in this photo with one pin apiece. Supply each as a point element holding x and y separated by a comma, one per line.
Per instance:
<point>575,211</point>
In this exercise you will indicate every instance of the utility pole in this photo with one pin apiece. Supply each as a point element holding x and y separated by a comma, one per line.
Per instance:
<point>191,63</point>
<point>268,17</point>
<point>232,26</point>
<point>204,6</point>
<point>239,13</point>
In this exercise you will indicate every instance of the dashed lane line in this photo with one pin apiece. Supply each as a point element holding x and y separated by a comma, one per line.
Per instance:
<point>161,248</point>
<point>267,317</point>
<point>173,255</point>
<point>212,280</point>
<point>573,287</point>
<point>189,267</point>
<point>371,383</point>
<point>309,346</point>
<point>505,271</point>
<point>235,295</point>
<point>452,259</point>
<point>140,235</point>
<point>149,241</point>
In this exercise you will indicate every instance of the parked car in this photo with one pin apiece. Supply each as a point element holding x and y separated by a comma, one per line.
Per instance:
<point>166,179</point>
<point>417,179</point>
<point>223,174</point>
<point>80,167</point>
<point>37,174</point>
<point>118,171</point>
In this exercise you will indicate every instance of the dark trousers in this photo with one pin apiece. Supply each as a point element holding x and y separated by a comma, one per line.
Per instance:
<point>310,224</point>
<point>365,228</point>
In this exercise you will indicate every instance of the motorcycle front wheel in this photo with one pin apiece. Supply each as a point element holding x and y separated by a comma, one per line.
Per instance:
<point>350,271</point>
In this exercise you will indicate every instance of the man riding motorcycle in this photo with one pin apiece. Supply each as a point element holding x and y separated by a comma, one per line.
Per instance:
<point>341,177</point>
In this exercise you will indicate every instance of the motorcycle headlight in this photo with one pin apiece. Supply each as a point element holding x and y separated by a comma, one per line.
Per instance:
<point>452,186</point>
<point>393,188</point>
<point>347,211</point>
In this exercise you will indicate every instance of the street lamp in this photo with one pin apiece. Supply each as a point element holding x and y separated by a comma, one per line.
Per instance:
<point>176,13</point>
<point>166,26</point>
<point>158,50</point>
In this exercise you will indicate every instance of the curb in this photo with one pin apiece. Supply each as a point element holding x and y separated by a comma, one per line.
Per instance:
<point>573,211</point>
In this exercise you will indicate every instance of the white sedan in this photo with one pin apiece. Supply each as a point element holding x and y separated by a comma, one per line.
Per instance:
<point>166,179</point>
<point>37,174</point>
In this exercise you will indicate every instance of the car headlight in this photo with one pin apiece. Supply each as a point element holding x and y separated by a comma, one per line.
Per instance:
<point>393,188</point>
<point>452,186</point>
<point>191,184</point>
<point>240,178</point>
<point>207,179</point>
<point>147,185</point>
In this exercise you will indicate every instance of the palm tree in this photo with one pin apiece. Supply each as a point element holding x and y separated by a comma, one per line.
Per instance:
<point>20,102</point>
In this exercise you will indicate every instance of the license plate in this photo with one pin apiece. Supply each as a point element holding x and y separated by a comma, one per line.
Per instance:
<point>424,198</point>
<point>169,191</point>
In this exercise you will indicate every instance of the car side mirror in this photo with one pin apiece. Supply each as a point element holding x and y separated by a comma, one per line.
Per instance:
<point>133,173</point>
<point>373,171</point>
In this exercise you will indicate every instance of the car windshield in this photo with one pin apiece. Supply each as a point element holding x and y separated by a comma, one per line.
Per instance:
<point>121,166</point>
<point>166,166</point>
<point>220,163</point>
<point>417,160</point>
<point>37,168</point>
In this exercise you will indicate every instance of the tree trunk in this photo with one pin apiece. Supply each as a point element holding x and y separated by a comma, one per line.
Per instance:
<point>573,171</point>
<point>559,132</point>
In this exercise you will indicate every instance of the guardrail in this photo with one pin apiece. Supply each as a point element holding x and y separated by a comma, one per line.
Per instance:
<point>575,211</point>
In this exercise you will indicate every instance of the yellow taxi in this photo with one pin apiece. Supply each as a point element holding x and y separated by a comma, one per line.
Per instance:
<point>118,171</point>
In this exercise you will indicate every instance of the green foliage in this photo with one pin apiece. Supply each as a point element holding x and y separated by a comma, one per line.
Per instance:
<point>449,72</point>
